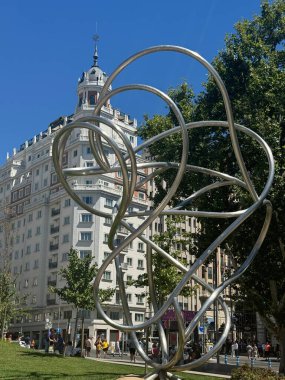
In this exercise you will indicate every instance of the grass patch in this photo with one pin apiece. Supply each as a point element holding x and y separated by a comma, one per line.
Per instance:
<point>21,363</point>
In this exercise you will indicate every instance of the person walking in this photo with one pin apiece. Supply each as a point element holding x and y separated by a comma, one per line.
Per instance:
<point>249,350</point>
<point>98,346</point>
<point>236,348</point>
<point>105,347</point>
<point>87,345</point>
<point>267,349</point>
<point>132,348</point>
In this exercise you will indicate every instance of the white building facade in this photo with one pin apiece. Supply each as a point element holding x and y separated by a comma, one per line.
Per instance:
<point>41,223</point>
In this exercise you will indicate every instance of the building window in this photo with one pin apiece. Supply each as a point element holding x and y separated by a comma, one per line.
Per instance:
<point>106,255</point>
<point>64,256</point>
<point>39,214</point>
<point>132,139</point>
<point>107,276</point>
<point>129,261</point>
<point>129,297</point>
<point>108,220</point>
<point>26,284</point>
<point>86,218</point>
<point>129,278</point>
<point>46,168</point>
<point>210,273</point>
<point>66,220</point>
<point>27,266</point>
<point>45,182</point>
<point>106,237</point>
<point>140,264</point>
<point>141,196</point>
<point>37,171</point>
<point>84,253</point>
<point>85,235</point>
<point>115,315</point>
<point>54,178</point>
<point>30,217</point>
<point>65,238</point>
<point>138,317</point>
<point>28,250</point>
<point>88,150</point>
<point>88,200</point>
<point>108,202</point>
<point>140,299</point>
<point>89,164</point>
<point>75,153</point>
<point>67,202</point>
<point>37,247</point>
<point>36,264</point>
<point>118,298</point>
<point>141,247</point>
<point>38,230</point>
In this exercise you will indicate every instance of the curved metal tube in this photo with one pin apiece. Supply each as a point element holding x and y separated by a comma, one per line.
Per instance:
<point>127,163</point>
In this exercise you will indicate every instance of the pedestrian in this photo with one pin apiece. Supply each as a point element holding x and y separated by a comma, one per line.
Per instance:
<point>98,346</point>
<point>105,347</point>
<point>249,350</point>
<point>59,344</point>
<point>117,348</point>
<point>233,349</point>
<point>267,349</point>
<point>87,345</point>
<point>255,352</point>
<point>236,348</point>
<point>132,348</point>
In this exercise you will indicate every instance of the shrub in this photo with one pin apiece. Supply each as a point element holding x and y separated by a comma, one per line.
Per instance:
<point>246,373</point>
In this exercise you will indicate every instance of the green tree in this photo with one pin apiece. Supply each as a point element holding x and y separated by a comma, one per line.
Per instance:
<point>252,68</point>
<point>10,301</point>
<point>178,244</point>
<point>78,290</point>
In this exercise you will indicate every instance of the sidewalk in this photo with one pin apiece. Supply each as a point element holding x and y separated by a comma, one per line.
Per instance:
<point>205,370</point>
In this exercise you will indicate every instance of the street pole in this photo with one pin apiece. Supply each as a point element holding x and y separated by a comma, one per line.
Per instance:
<point>216,306</point>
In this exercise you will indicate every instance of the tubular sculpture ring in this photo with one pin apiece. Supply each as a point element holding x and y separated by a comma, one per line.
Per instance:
<point>127,163</point>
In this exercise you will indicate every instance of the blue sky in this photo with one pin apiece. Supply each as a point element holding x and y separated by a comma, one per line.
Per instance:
<point>45,46</point>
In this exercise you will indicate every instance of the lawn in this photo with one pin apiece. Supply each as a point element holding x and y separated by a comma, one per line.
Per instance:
<point>21,363</point>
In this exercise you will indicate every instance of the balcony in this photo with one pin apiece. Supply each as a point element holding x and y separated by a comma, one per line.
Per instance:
<point>51,282</point>
<point>54,230</point>
<point>53,247</point>
<point>52,265</point>
<point>55,211</point>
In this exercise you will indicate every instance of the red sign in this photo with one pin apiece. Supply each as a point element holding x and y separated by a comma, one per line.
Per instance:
<point>170,315</point>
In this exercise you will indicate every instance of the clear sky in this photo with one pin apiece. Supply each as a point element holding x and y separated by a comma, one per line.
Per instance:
<point>45,46</point>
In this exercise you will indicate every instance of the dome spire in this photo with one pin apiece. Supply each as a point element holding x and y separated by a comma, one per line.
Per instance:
<point>95,55</point>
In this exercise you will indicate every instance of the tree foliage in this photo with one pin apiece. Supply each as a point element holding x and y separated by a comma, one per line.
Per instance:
<point>11,303</point>
<point>79,275</point>
<point>178,244</point>
<point>252,66</point>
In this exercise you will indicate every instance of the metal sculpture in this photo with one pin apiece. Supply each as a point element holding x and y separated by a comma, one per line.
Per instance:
<point>127,163</point>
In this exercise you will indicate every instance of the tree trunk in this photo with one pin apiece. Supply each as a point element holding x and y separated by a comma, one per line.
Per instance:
<point>282,351</point>
<point>82,336</point>
<point>75,328</point>
<point>3,322</point>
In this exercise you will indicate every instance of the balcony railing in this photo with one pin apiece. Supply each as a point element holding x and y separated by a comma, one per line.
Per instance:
<point>51,282</point>
<point>55,211</point>
<point>52,265</point>
<point>53,247</point>
<point>54,230</point>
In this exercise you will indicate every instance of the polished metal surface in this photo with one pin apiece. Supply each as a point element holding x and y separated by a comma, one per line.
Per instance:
<point>128,164</point>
